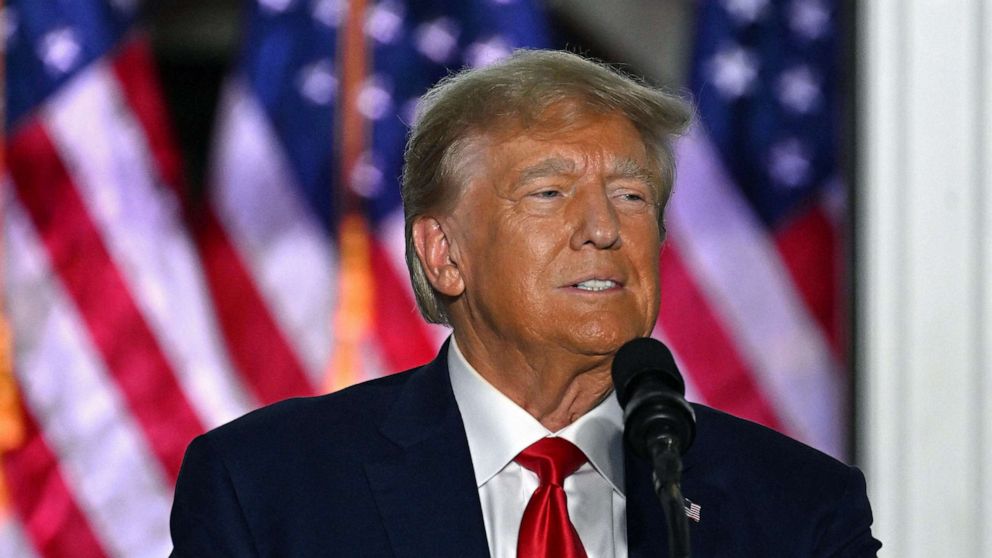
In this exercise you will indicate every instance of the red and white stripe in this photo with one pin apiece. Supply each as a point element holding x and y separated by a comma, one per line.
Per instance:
<point>259,350</point>
<point>140,223</point>
<point>284,249</point>
<point>290,258</point>
<point>731,265</point>
<point>109,470</point>
<point>117,354</point>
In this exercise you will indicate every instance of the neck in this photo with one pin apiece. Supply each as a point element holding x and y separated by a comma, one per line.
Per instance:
<point>555,387</point>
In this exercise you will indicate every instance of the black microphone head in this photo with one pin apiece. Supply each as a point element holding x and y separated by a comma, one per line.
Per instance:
<point>652,394</point>
<point>644,355</point>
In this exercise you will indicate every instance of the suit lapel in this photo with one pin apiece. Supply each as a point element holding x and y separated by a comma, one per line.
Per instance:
<point>426,493</point>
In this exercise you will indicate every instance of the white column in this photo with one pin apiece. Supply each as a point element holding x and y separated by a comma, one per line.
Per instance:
<point>925,260</point>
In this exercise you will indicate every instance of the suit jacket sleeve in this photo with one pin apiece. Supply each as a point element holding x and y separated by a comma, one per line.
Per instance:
<point>847,533</point>
<point>207,518</point>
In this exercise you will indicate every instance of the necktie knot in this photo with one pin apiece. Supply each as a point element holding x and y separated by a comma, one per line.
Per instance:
<point>552,459</point>
<point>546,531</point>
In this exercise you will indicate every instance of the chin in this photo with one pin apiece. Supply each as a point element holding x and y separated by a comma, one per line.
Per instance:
<point>603,337</point>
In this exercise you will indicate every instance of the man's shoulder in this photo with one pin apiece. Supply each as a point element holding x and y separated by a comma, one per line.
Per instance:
<point>782,497</point>
<point>291,476</point>
<point>340,420</point>
<point>746,455</point>
<point>731,429</point>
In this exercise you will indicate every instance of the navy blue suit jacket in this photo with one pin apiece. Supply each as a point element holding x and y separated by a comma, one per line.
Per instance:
<point>383,469</point>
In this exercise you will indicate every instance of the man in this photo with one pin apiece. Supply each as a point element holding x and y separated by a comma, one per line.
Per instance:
<point>534,192</point>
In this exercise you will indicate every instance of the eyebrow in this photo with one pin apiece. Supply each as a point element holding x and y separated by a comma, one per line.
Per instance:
<point>629,168</point>
<point>552,166</point>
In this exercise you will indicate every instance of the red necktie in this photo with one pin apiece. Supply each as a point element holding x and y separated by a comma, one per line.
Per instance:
<point>546,530</point>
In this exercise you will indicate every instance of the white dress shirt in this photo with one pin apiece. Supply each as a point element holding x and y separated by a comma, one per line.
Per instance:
<point>498,429</point>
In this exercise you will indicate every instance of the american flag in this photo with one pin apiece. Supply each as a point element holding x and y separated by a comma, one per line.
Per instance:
<point>143,316</point>
<point>308,238</point>
<point>752,272</point>
<point>116,353</point>
<point>692,509</point>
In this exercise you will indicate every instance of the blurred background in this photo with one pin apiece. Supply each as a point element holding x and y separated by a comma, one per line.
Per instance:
<point>201,216</point>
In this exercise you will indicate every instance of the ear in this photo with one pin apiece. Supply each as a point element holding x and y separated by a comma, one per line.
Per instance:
<point>435,254</point>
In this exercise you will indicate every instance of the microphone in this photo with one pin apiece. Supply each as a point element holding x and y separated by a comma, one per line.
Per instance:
<point>659,424</point>
<point>652,394</point>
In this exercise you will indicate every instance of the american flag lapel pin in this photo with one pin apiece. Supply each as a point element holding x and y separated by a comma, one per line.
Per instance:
<point>692,509</point>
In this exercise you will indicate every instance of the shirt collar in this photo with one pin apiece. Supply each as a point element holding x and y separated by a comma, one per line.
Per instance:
<point>498,429</point>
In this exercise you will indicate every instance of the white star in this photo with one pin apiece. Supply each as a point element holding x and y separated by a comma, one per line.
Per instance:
<point>366,176</point>
<point>125,6</point>
<point>799,89</point>
<point>833,196</point>
<point>745,11</point>
<point>328,12</point>
<point>385,22</point>
<point>789,163</point>
<point>408,113</point>
<point>374,99</point>
<point>809,18</point>
<point>317,83</point>
<point>8,24</point>
<point>487,52</point>
<point>275,6</point>
<point>60,50</point>
<point>437,39</point>
<point>733,71</point>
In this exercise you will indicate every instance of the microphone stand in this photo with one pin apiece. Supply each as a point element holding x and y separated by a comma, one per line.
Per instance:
<point>667,478</point>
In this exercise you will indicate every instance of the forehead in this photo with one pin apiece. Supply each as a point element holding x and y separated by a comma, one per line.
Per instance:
<point>557,121</point>
<point>567,142</point>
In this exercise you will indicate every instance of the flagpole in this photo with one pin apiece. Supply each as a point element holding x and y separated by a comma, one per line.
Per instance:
<point>11,420</point>
<point>352,320</point>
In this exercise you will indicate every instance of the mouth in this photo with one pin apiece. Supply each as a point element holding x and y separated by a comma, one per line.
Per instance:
<point>597,285</point>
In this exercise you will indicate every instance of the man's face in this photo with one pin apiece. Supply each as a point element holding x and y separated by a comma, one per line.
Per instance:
<point>556,237</point>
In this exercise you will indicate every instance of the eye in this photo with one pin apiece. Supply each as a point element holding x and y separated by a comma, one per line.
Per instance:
<point>546,194</point>
<point>632,196</point>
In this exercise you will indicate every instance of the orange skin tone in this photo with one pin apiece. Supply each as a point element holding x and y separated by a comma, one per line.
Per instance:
<point>544,209</point>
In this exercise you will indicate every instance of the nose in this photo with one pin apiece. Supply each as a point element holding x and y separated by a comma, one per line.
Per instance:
<point>596,220</point>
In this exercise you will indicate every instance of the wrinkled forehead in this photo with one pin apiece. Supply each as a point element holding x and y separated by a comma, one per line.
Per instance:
<point>559,123</point>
